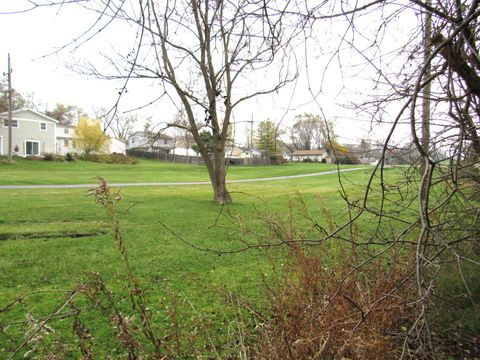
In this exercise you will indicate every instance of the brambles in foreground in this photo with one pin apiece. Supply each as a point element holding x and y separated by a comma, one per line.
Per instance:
<point>351,290</point>
<point>331,298</point>
<point>323,308</point>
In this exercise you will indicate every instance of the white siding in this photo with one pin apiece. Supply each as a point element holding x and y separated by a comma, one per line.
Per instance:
<point>29,130</point>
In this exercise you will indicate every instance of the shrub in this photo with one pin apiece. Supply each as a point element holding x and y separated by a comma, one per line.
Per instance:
<point>277,159</point>
<point>48,157</point>
<point>321,309</point>
<point>122,159</point>
<point>307,160</point>
<point>348,160</point>
<point>109,159</point>
<point>327,302</point>
<point>69,157</point>
<point>34,158</point>
<point>53,157</point>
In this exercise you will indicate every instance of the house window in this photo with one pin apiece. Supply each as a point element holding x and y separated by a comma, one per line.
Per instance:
<point>66,143</point>
<point>65,130</point>
<point>14,123</point>
<point>43,126</point>
<point>32,148</point>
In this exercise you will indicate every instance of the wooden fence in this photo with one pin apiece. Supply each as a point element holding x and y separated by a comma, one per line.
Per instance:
<point>163,156</point>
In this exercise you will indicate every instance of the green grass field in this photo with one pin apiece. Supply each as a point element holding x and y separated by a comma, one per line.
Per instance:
<point>28,172</point>
<point>49,238</point>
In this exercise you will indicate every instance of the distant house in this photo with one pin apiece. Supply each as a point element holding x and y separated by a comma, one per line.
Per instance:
<point>245,153</point>
<point>117,146</point>
<point>234,152</point>
<point>33,134</point>
<point>183,145</point>
<point>36,134</point>
<point>150,141</point>
<point>184,151</point>
<point>65,143</point>
<point>313,155</point>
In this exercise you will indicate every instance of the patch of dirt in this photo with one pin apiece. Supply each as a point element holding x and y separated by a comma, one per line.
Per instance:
<point>48,235</point>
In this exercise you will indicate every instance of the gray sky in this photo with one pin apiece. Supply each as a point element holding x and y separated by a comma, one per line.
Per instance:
<point>34,35</point>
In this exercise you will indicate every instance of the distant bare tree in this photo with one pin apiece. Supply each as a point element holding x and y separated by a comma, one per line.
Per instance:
<point>65,114</point>
<point>307,132</point>
<point>120,125</point>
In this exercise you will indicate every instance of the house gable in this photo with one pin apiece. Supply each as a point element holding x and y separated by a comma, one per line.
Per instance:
<point>28,115</point>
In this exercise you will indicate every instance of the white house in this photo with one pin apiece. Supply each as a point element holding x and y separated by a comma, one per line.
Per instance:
<point>313,155</point>
<point>150,141</point>
<point>36,134</point>
<point>33,134</point>
<point>184,151</point>
<point>65,143</point>
<point>117,146</point>
<point>246,153</point>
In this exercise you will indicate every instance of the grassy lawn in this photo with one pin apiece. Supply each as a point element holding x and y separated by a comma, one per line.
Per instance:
<point>28,172</point>
<point>49,238</point>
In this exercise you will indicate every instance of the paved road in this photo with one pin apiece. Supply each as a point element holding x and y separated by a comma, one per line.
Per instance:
<point>187,183</point>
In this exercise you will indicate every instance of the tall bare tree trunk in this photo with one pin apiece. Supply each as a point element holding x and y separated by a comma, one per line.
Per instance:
<point>215,164</point>
<point>221,194</point>
<point>427,43</point>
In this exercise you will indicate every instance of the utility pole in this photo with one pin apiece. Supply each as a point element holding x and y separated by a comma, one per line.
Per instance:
<point>251,133</point>
<point>9,111</point>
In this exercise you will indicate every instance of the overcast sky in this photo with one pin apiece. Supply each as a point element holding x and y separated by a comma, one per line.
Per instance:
<point>31,37</point>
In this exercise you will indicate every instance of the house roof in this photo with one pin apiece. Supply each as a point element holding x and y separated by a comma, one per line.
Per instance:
<point>151,135</point>
<point>308,152</point>
<point>184,141</point>
<point>17,114</point>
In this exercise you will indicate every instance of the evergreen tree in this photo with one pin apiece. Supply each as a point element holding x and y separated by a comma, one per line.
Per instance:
<point>266,135</point>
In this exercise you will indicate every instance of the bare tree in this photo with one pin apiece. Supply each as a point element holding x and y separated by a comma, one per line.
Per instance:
<point>120,125</point>
<point>204,52</point>
<point>308,132</point>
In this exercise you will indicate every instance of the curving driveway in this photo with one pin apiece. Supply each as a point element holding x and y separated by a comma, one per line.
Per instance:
<point>187,183</point>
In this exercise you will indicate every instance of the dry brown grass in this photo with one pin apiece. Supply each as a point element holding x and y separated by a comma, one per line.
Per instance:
<point>330,312</point>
